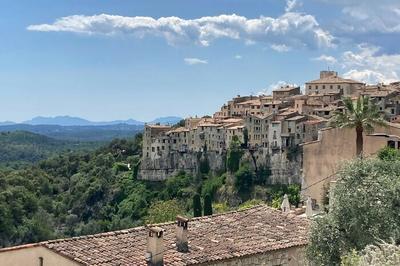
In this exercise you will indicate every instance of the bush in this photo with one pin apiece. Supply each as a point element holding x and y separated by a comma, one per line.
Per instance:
<point>234,155</point>
<point>208,205</point>
<point>163,211</point>
<point>389,154</point>
<point>250,203</point>
<point>372,255</point>
<point>212,184</point>
<point>244,179</point>
<point>366,208</point>
<point>204,165</point>
<point>196,206</point>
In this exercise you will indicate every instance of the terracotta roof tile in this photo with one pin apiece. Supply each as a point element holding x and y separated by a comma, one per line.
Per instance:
<point>213,238</point>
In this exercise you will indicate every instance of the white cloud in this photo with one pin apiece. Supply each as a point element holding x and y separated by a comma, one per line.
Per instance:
<point>291,29</point>
<point>268,90</point>
<point>291,4</point>
<point>364,16</point>
<point>238,56</point>
<point>326,58</point>
<point>194,61</point>
<point>369,66</point>
<point>367,76</point>
<point>280,48</point>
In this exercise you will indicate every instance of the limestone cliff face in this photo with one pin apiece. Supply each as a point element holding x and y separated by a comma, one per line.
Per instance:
<point>164,167</point>
<point>283,171</point>
<point>285,168</point>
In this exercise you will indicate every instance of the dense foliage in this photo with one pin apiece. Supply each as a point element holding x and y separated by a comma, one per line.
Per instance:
<point>365,209</point>
<point>86,192</point>
<point>372,255</point>
<point>26,147</point>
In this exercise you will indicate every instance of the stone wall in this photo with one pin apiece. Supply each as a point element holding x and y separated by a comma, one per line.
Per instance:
<point>286,257</point>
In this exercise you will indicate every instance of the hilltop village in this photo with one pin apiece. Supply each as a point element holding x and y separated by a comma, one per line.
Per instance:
<point>273,127</point>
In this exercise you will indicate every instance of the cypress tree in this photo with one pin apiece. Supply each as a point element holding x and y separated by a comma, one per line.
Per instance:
<point>196,206</point>
<point>208,205</point>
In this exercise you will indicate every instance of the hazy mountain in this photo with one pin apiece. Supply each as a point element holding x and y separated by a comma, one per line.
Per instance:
<point>77,121</point>
<point>6,123</point>
<point>167,120</point>
<point>58,120</point>
<point>78,133</point>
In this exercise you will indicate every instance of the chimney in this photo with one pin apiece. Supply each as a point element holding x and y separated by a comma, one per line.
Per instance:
<point>285,206</point>
<point>155,246</point>
<point>181,234</point>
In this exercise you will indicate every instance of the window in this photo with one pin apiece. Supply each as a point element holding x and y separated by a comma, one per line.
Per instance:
<point>323,87</point>
<point>153,149</point>
<point>331,87</point>
<point>40,261</point>
<point>316,87</point>
<point>391,144</point>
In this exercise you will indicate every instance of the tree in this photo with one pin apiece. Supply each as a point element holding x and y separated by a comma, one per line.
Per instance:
<point>208,205</point>
<point>363,115</point>
<point>163,211</point>
<point>365,209</point>
<point>244,179</point>
<point>196,206</point>
<point>245,137</point>
<point>380,254</point>
<point>235,153</point>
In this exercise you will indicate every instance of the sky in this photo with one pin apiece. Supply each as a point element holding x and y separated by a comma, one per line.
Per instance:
<point>118,59</point>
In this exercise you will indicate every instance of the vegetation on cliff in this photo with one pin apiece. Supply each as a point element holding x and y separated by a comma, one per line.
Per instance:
<point>86,192</point>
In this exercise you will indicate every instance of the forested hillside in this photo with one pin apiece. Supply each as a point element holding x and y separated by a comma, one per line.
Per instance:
<point>101,133</point>
<point>88,192</point>
<point>25,147</point>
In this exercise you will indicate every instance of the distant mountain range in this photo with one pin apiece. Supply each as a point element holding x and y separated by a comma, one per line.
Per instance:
<point>77,121</point>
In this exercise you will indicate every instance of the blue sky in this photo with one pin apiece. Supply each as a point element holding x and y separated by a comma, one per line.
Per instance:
<point>119,59</point>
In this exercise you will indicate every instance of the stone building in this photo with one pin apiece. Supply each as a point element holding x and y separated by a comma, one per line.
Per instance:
<point>255,236</point>
<point>330,82</point>
<point>285,91</point>
<point>257,127</point>
<point>155,142</point>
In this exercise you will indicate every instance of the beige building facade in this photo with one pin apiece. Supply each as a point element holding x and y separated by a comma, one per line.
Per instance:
<point>322,158</point>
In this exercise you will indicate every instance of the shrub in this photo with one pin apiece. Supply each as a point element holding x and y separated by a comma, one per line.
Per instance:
<point>366,208</point>
<point>196,206</point>
<point>234,155</point>
<point>208,205</point>
<point>244,179</point>
<point>163,211</point>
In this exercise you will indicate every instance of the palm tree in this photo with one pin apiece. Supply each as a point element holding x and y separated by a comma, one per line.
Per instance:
<point>363,115</point>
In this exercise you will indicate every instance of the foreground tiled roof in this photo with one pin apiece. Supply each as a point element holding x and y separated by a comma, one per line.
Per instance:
<point>212,238</point>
